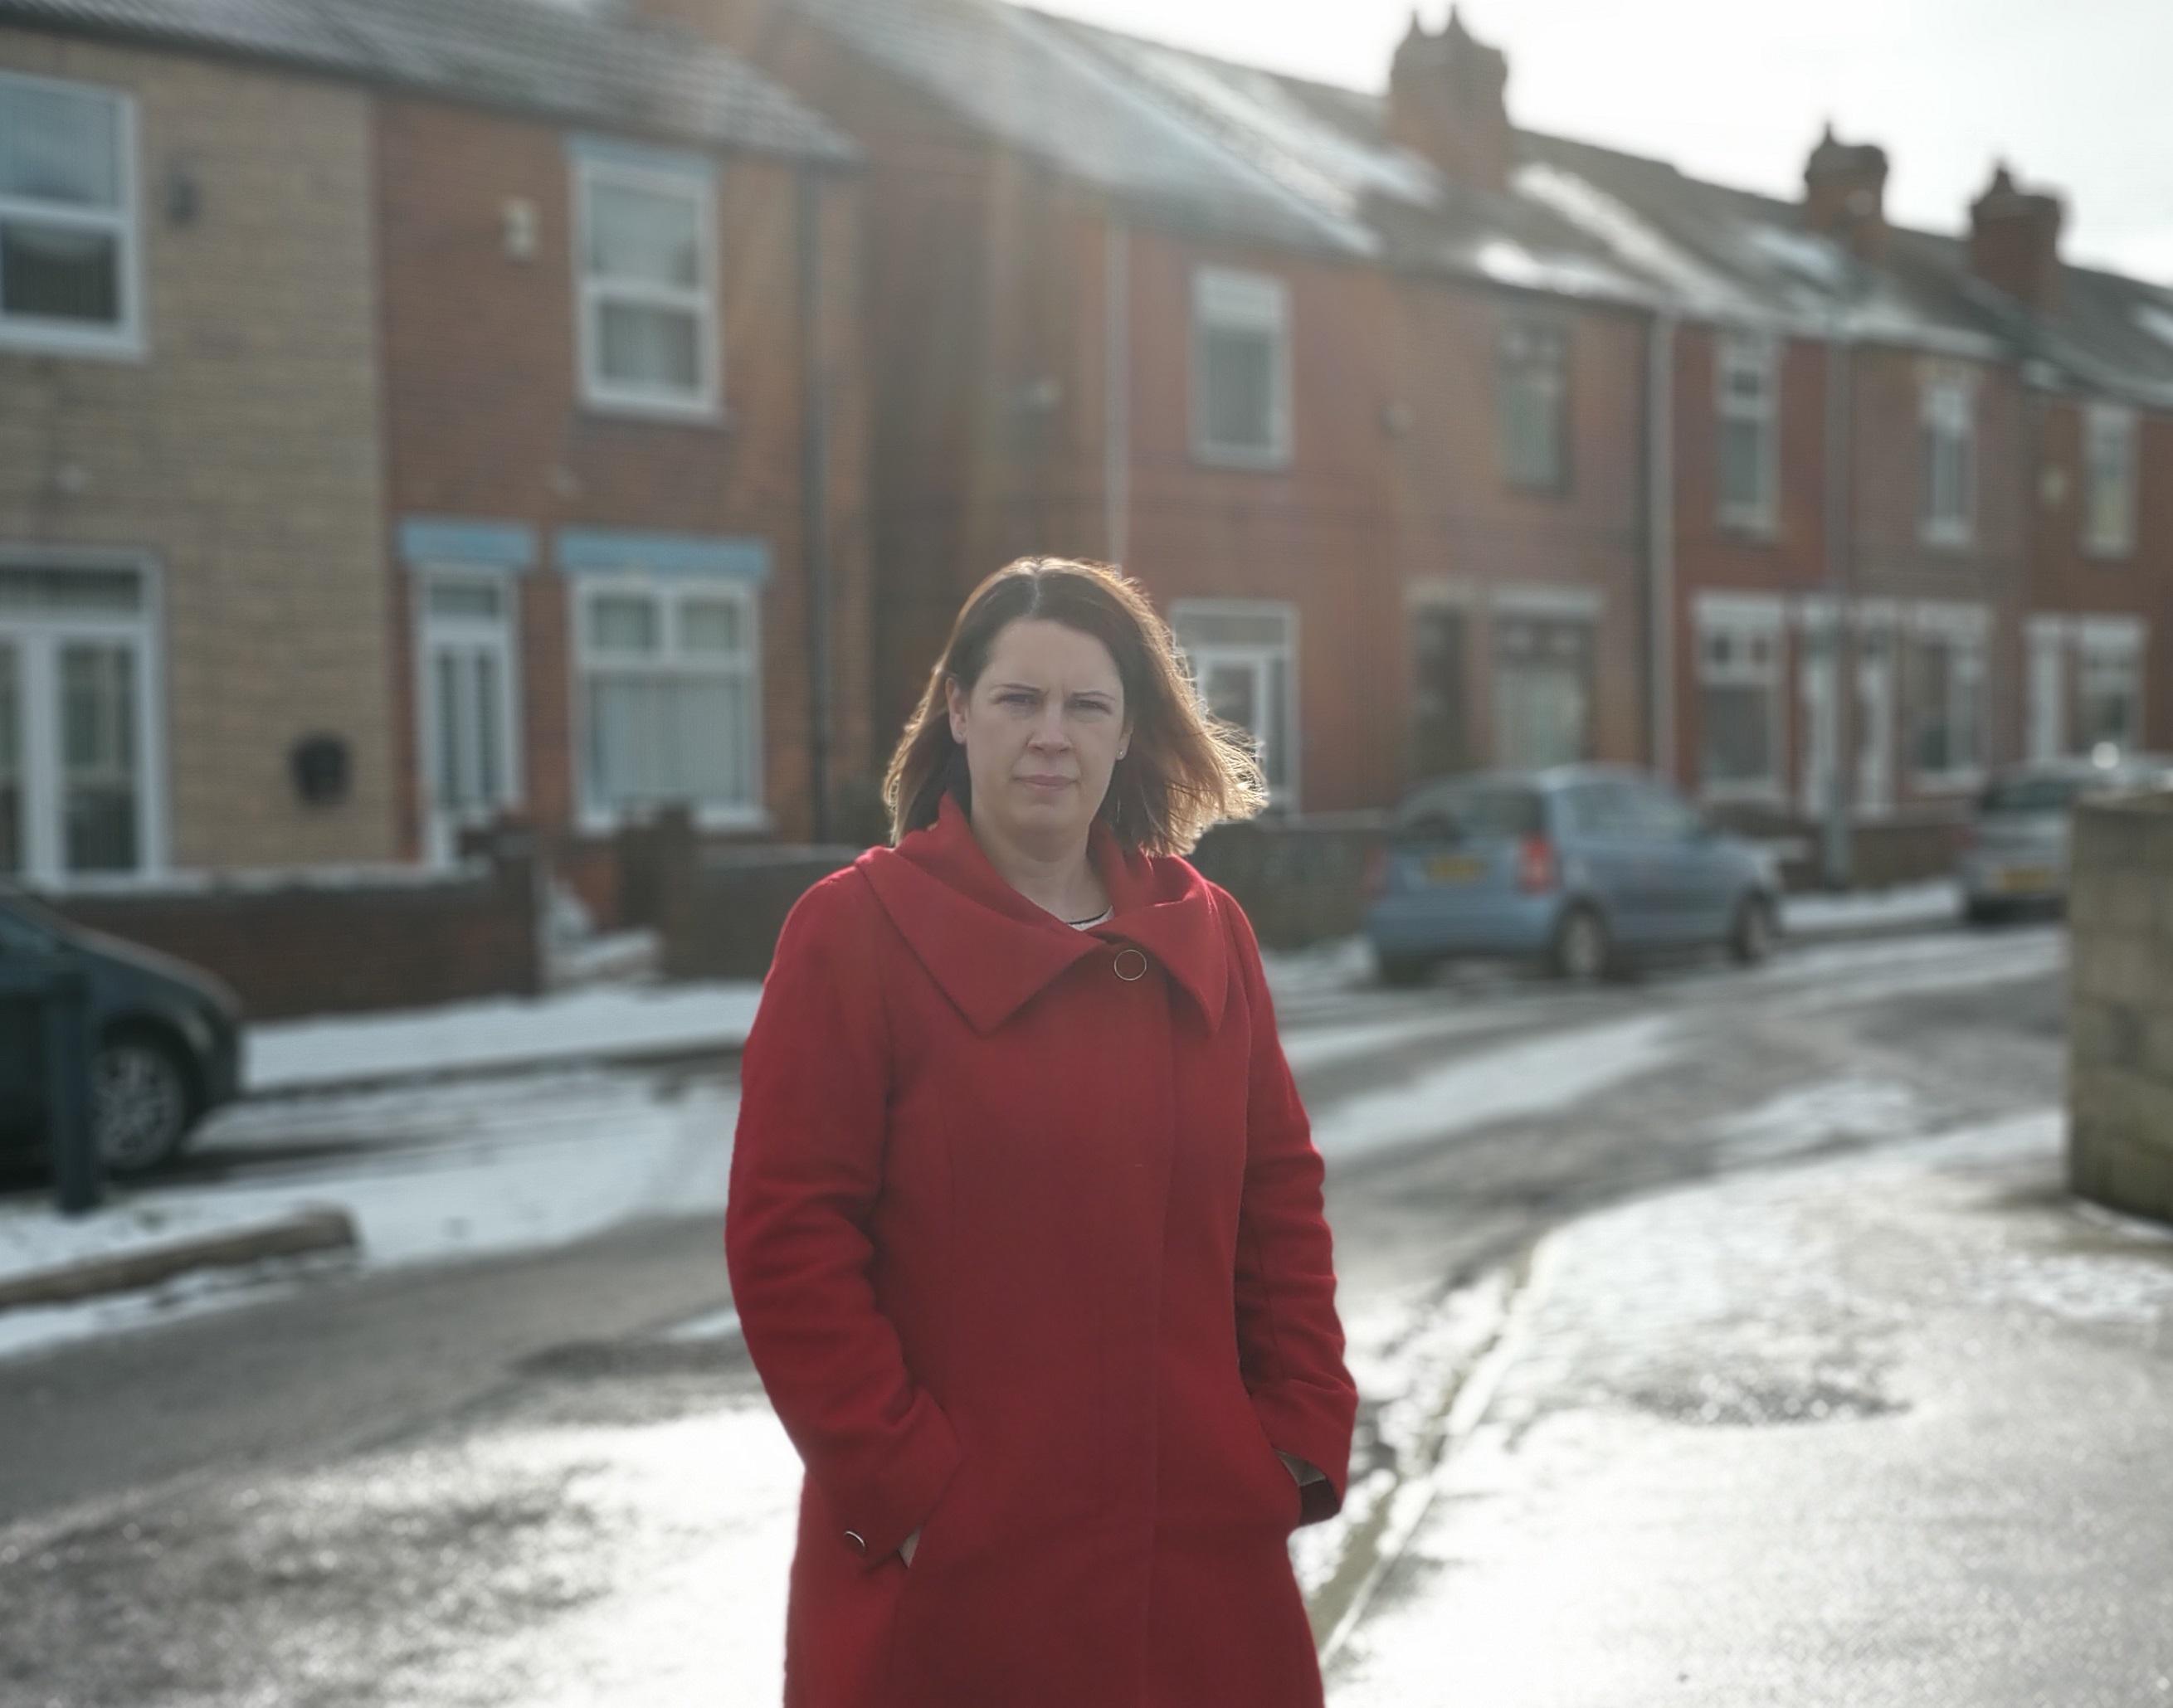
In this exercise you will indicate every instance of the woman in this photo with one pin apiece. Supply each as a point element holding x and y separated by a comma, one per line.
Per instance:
<point>1025,1227</point>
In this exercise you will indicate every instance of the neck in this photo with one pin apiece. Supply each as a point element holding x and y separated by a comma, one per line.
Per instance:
<point>1059,880</point>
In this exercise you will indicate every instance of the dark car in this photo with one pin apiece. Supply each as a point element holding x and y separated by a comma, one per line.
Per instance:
<point>166,1041</point>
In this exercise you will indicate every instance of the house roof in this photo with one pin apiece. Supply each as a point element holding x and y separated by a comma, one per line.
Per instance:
<point>1233,150</point>
<point>571,62</point>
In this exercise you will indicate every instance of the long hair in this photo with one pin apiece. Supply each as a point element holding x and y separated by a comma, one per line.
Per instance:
<point>1183,770</point>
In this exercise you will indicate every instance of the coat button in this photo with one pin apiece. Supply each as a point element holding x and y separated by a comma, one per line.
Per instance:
<point>1131,965</point>
<point>857,1540</point>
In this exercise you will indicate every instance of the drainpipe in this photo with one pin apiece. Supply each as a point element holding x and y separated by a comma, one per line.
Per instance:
<point>1117,390</point>
<point>1660,543</point>
<point>1837,851</point>
<point>814,497</point>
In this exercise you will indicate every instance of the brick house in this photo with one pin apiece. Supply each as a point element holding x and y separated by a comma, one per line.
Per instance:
<point>490,403</point>
<point>1229,330</point>
<point>192,481</point>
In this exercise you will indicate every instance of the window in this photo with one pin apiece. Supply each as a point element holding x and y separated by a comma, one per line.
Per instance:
<point>67,229</point>
<point>1949,452</point>
<point>1740,697</point>
<point>1241,363</point>
<point>1243,659</point>
<point>1531,388</point>
<point>1542,690</point>
<point>2108,480</point>
<point>1441,693</point>
<point>1748,386</point>
<point>2112,685</point>
<point>669,695</point>
<point>76,729</point>
<point>1948,699</point>
<point>647,285</point>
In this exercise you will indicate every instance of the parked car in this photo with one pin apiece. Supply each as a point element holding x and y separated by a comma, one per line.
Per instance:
<point>1587,867</point>
<point>166,1042</point>
<point>2014,851</point>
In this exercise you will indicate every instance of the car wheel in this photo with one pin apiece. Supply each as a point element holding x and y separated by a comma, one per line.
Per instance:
<point>140,1105</point>
<point>1583,950</point>
<point>1401,971</point>
<point>1750,941</point>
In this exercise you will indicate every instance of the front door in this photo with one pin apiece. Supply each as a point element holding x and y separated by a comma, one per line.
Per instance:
<point>2048,695</point>
<point>1874,720</point>
<point>1441,694</point>
<point>470,736</point>
<point>1816,674</point>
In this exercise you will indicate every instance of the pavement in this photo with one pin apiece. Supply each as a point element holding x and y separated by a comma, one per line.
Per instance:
<point>1888,1429</point>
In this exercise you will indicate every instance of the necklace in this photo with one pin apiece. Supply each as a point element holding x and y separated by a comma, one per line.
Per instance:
<point>1081,924</point>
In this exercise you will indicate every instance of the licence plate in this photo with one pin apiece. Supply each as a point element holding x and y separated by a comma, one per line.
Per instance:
<point>1455,869</point>
<point>2026,880</point>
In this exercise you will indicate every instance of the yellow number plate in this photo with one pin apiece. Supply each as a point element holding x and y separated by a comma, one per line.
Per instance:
<point>2026,880</point>
<point>1455,869</point>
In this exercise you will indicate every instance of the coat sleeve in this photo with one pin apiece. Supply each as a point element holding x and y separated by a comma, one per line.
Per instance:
<point>807,1169</point>
<point>1290,1340</point>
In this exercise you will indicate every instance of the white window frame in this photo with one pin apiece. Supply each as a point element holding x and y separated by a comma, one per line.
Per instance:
<point>603,816</point>
<point>694,182</point>
<point>2103,641</point>
<point>124,339</point>
<point>2109,457</point>
<point>1754,355</point>
<point>502,634</point>
<point>44,843</point>
<point>1256,656</point>
<point>2047,709</point>
<point>1965,628</point>
<point>1947,408</point>
<point>1552,388</point>
<point>1745,618</point>
<point>1228,299</point>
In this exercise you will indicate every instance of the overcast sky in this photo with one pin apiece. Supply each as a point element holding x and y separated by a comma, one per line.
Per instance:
<point>2071,93</point>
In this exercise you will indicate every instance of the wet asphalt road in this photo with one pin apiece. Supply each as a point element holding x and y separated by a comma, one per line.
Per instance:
<point>449,1488</point>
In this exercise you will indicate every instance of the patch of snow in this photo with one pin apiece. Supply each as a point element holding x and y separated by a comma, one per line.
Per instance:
<point>1344,964</point>
<point>1508,261</point>
<point>1316,1047</point>
<point>2097,1287</point>
<point>2155,321</point>
<point>292,1055</point>
<point>426,1179</point>
<point>1541,1077</point>
<point>1805,253</point>
<point>1701,287</point>
<point>1807,1118</point>
<point>1927,904</point>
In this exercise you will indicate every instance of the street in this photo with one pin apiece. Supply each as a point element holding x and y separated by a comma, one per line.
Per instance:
<point>551,1477</point>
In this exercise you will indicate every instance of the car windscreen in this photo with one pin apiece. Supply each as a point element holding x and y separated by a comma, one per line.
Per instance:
<point>1480,813</point>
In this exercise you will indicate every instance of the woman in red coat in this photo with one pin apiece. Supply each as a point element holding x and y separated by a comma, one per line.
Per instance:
<point>1025,1228</point>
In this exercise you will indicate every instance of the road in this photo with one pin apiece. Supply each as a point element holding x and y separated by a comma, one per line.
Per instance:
<point>512,1482</point>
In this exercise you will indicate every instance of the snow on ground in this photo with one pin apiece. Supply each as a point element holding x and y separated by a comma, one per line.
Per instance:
<point>1536,1077</point>
<point>1939,902</point>
<point>428,1175</point>
<point>292,1055</point>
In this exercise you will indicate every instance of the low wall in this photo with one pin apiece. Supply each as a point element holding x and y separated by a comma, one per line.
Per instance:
<point>296,943</point>
<point>2120,1086</point>
<point>1906,848</point>
<point>1300,880</point>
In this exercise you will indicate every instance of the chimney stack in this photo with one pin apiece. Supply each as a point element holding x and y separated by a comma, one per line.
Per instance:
<point>2014,242</point>
<point>1845,193</point>
<point>1447,102</point>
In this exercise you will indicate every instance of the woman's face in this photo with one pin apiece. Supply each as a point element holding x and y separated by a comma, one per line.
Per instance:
<point>1043,730</point>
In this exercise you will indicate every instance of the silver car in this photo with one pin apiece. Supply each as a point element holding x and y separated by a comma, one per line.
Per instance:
<point>2014,853</point>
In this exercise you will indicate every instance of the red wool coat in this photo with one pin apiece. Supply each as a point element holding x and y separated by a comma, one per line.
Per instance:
<point>1026,1237</point>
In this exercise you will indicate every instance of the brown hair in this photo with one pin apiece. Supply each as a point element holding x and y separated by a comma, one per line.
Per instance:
<point>1182,771</point>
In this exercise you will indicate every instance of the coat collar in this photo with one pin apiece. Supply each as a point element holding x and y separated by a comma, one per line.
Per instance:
<point>991,949</point>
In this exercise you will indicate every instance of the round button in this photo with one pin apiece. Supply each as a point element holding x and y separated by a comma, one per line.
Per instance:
<point>857,1540</point>
<point>1131,965</point>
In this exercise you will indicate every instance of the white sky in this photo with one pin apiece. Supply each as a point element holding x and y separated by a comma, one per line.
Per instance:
<point>2070,92</point>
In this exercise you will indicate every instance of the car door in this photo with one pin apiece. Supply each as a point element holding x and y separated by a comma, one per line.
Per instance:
<point>1605,855</point>
<point>1696,871</point>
